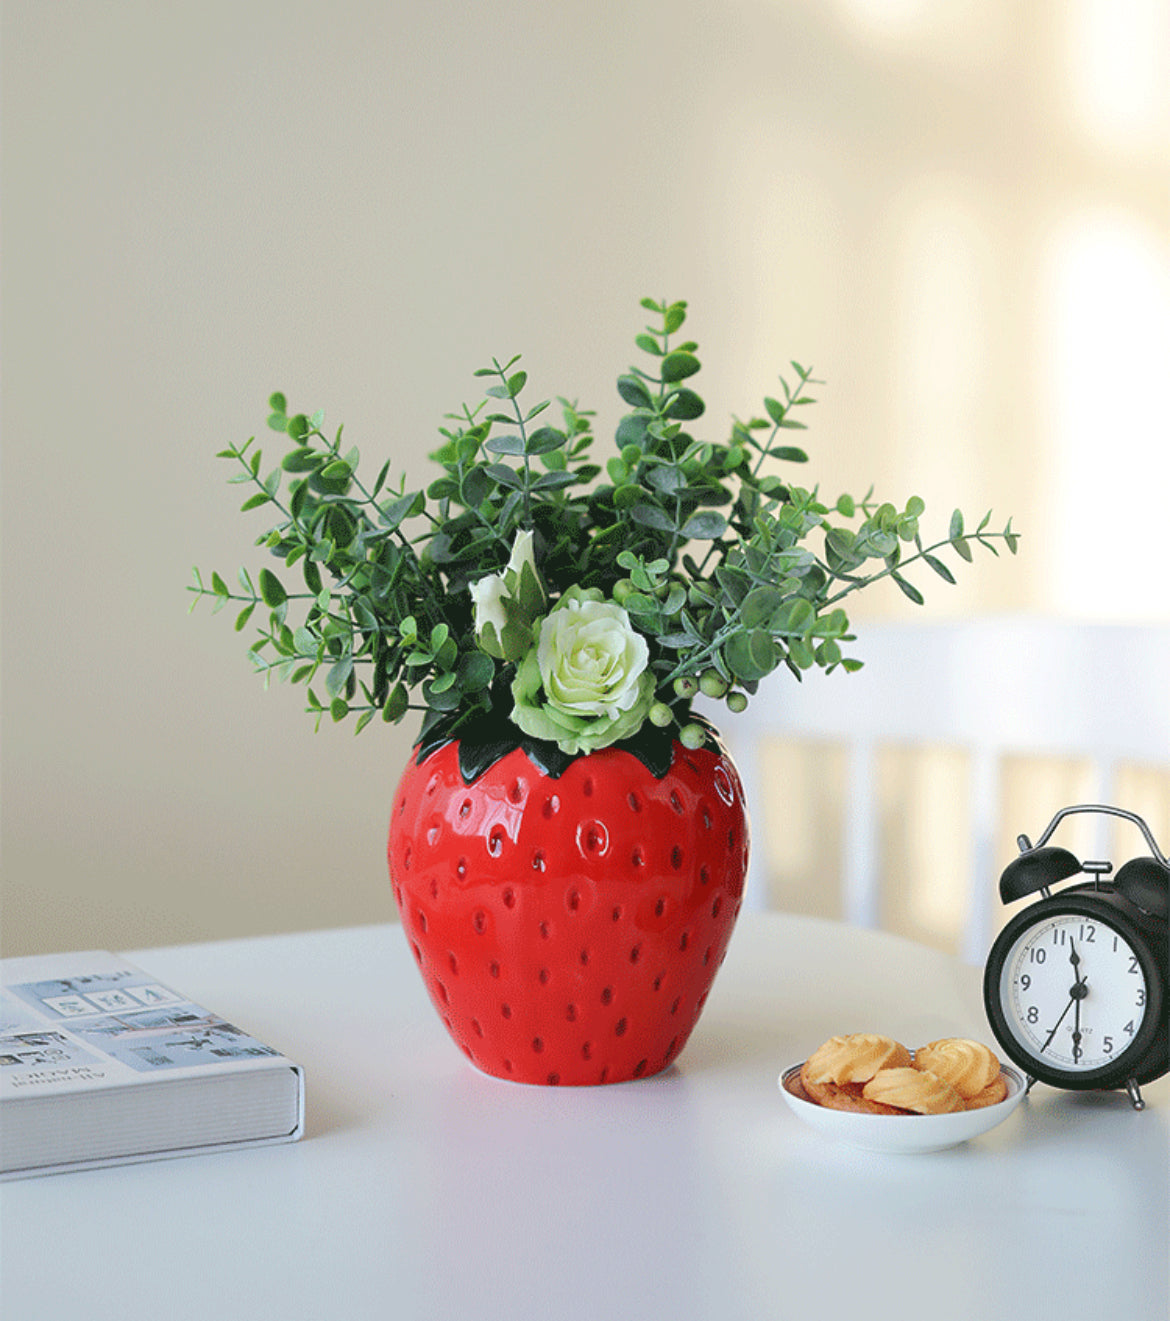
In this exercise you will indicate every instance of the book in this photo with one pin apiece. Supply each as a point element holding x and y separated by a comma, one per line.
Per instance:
<point>101,1064</point>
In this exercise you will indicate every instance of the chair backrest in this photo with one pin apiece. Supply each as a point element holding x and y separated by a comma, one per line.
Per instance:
<point>994,687</point>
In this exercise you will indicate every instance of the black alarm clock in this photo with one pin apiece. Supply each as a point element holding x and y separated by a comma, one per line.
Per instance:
<point>1077,985</point>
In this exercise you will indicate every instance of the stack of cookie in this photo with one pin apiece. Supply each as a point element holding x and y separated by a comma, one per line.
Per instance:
<point>876,1075</point>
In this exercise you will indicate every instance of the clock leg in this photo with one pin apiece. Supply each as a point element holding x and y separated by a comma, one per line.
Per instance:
<point>1031,1083</point>
<point>1135,1095</point>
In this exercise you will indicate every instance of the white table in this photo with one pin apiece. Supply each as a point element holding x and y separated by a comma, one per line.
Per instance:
<point>423,1189</point>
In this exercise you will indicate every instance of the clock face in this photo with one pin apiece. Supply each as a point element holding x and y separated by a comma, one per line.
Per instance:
<point>1073,992</point>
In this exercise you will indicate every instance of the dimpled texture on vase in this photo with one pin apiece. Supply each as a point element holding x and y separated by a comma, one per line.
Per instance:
<point>569,929</point>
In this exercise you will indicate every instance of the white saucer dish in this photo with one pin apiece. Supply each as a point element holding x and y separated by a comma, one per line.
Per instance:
<point>903,1133</point>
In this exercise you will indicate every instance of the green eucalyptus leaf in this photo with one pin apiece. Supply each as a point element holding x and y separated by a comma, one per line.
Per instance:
<point>706,525</point>
<point>476,671</point>
<point>337,676</point>
<point>667,478</point>
<point>939,567</point>
<point>908,589</point>
<point>652,517</point>
<point>302,459</point>
<point>506,444</point>
<point>505,476</point>
<point>543,440</point>
<point>677,366</point>
<point>396,704</point>
<point>634,392</point>
<point>750,655</point>
<point>272,593</point>
<point>759,605</point>
<point>685,405</point>
<point>555,481</point>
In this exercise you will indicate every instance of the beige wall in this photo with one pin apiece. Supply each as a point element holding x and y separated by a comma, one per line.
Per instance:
<point>957,211</point>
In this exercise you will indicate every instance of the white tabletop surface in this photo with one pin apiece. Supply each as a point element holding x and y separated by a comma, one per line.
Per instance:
<point>423,1189</point>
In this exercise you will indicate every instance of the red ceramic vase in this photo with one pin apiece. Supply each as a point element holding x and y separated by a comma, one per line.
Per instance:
<point>569,929</point>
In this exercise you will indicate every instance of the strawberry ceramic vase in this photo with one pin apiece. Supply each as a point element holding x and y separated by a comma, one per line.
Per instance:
<point>569,919</point>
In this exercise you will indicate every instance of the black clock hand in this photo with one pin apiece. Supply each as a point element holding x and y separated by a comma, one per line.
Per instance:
<point>1079,990</point>
<point>1072,1000</point>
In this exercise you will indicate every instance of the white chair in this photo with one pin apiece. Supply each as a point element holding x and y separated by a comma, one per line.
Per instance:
<point>992,687</point>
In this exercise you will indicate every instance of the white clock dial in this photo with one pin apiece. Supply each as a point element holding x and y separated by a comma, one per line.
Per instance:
<point>1073,992</point>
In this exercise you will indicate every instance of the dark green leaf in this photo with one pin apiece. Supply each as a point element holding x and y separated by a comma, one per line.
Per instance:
<point>272,592</point>
<point>939,567</point>
<point>685,405</point>
<point>908,589</point>
<point>395,512</point>
<point>633,391</point>
<point>543,440</point>
<point>677,366</point>
<point>555,481</point>
<point>504,475</point>
<point>476,671</point>
<point>396,704</point>
<point>302,459</point>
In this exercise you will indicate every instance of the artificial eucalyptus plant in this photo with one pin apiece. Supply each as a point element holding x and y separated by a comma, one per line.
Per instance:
<point>563,603</point>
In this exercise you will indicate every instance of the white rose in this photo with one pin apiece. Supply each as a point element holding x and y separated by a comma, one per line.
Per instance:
<point>590,658</point>
<point>585,684</point>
